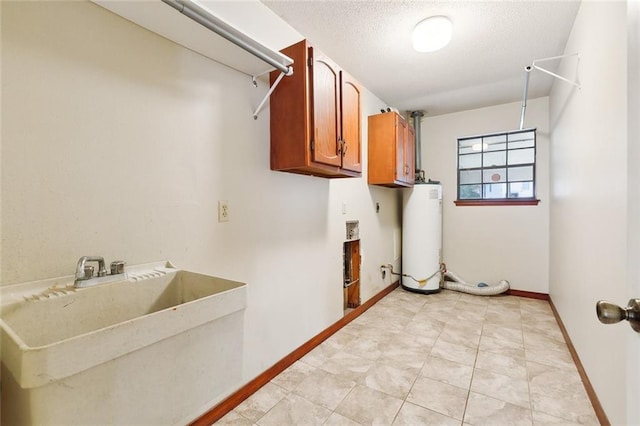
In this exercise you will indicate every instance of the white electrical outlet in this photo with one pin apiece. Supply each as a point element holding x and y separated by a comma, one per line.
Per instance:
<point>223,211</point>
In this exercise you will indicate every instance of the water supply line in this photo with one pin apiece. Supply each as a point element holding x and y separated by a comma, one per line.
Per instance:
<point>421,282</point>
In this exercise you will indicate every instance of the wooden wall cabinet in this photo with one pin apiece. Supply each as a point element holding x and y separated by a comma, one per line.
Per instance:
<point>316,117</point>
<point>391,151</point>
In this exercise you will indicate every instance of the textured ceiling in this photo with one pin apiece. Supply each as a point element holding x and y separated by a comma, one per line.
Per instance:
<point>483,65</point>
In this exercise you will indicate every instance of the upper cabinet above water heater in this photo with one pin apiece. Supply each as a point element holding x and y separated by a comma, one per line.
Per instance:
<point>316,117</point>
<point>391,151</point>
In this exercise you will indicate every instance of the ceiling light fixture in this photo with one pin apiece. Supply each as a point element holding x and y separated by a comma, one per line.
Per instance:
<point>432,34</point>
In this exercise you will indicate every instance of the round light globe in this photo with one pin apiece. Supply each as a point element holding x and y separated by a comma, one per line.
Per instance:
<point>432,34</point>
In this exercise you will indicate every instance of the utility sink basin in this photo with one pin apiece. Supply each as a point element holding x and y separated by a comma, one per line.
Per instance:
<point>64,330</point>
<point>52,331</point>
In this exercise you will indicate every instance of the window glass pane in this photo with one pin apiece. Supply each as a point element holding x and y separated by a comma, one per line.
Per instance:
<point>470,176</point>
<point>521,136</point>
<point>495,143</point>
<point>494,175</point>
<point>496,139</point>
<point>469,161</point>
<point>521,140</point>
<point>495,190</point>
<point>469,146</point>
<point>495,147</point>
<point>520,173</point>
<point>522,156</point>
<point>521,144</point>
<point>494,159</point>
<point>470,192</point>
<point>521,190</point>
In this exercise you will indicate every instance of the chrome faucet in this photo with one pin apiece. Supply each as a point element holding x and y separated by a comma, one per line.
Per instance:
<point>84,272</point>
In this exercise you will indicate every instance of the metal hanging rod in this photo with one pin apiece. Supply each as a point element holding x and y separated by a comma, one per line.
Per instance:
<point>553,58</point>
<point>218,26</point>
<point>525,93</point>
<point>527,73</point>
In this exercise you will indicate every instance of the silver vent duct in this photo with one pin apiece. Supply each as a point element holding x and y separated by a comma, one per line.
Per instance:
<point>417,116</point>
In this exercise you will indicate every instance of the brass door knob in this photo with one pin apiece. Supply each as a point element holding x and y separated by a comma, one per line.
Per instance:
<point>610,313</point>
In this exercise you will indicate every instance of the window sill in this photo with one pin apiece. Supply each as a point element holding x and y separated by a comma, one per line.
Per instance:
<point>503,202</point>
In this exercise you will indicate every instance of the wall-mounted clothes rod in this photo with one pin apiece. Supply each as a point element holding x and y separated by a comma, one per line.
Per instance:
<point>535,65</point>
<point>217,25</point>
<point>527,73</point>
<point>525,94</point>
<point>271,89</point>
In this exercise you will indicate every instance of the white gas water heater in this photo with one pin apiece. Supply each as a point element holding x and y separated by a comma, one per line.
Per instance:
<point>422,238</point>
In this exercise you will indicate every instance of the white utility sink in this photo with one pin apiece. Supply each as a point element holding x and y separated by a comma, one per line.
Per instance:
<point>53,333</point>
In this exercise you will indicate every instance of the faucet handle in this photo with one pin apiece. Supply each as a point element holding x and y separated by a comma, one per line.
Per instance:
<point>102,271</point>
<point>88,272</point>
<point>117,267</point>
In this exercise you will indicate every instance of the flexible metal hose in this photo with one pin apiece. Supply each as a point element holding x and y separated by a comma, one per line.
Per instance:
<point>458,284</point>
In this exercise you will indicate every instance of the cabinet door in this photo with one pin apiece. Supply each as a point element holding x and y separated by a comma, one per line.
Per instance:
<point>325,113</point>
<point>351,123</point>
<point>401,144</point>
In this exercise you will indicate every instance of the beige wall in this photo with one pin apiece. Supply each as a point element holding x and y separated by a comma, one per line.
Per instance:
<point>117,142</point>
<point>491,243</point>
<point>589,232</point>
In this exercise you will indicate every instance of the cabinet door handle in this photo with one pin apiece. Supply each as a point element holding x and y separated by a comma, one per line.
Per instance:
<point>344,148</point>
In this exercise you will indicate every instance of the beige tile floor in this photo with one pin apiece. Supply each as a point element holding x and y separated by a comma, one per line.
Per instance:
<point>442,359</point>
